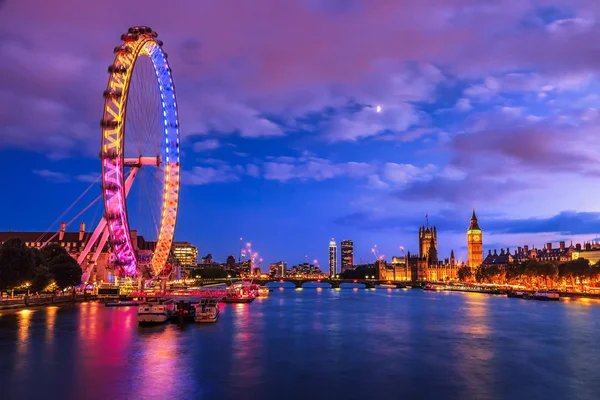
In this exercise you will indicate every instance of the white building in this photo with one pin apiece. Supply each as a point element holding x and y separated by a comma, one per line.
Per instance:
<point>332,258</point>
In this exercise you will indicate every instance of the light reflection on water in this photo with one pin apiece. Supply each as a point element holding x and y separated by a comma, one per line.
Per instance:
<point>349,343</point>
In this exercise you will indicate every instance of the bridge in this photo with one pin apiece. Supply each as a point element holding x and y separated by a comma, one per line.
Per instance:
<point>334,283</point>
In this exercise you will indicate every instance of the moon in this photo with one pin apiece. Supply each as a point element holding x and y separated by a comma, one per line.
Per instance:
<point>378,109</point>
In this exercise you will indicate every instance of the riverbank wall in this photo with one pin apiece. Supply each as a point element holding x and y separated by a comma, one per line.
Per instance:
<point>43,300</point>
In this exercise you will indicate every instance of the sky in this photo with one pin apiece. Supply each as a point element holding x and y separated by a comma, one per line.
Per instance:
<point>307,120</point>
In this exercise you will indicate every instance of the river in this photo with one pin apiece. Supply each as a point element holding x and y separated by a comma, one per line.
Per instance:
<point>311,344</point>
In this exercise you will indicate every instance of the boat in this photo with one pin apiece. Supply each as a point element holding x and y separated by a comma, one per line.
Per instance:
<point>185,311</point>
<point>239,293</point>
<point>546,295</point>
<point>518,294</point>
<point>429,286</point>
<point>207,310</point>
<point>155,312</point>
<point>122,303</point>
<point>263,291</point>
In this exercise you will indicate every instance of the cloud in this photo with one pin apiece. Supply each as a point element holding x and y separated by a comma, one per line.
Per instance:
<point>408,136</point>
<point>403,173</point>
<point>465,191</point>
<point>570,26</point>
<point>208,144</point>
<point>53,176</point>
<point>89,177</point>
<point>375,182</point>
<point>522,82</point>
<point>217,113</point>
<point>523,144</point>
<point>253,170</point>
<point>456,221</point>
<point>368,122</point>
<point>565,223</point>
<point>463,104</point>
<point>304,168</point>
<point>208,175</point>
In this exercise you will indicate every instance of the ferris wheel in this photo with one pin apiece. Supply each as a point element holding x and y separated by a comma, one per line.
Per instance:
<point>140,136</point>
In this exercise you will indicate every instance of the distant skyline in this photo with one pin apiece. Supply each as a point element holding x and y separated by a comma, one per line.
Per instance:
<point>307,120</point>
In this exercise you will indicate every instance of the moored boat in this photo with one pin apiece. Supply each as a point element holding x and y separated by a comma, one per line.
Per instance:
<point>518,294</point>
<point>184,311</point>
<point>263,291</point>
<point>155,312</point>
<point>546,295</point>
<point>122,303</point>
<point>239,294</point>
<point>207,310</point>
<point>429,286</point>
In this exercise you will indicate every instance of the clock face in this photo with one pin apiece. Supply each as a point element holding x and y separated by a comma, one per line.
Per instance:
<point>476,238</point>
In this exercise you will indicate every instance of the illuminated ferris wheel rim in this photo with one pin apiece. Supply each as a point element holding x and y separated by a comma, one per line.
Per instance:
<point>138,42</point>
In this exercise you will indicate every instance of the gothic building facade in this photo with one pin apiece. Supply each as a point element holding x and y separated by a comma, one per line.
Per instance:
<point>426,266</point>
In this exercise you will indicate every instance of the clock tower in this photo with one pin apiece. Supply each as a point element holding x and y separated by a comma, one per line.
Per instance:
<point>474,243</point>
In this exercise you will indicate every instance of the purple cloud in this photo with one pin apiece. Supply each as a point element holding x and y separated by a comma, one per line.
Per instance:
<point>53,176</point>
<point>312,168</point>
<point>208,144</point>
<point>206,175</point>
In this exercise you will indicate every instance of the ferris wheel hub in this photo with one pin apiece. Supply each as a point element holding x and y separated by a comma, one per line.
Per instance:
<point>138,162</point>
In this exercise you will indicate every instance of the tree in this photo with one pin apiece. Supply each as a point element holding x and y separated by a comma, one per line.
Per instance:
<point>515,273</point>
<point>464,274</point>
<point>64,269</point>
<point>210,273</point>
<point>578,269</point>
<point>41,275</point>
<point>548,271</point>
<point>358,273</point>
<point>17,264</point>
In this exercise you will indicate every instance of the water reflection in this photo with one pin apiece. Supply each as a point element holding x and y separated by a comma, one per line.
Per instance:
<point>247,346</point>
<point>363,344</point>
<point>578,321</point>
<point>160,366</point>
<point>50,326</point>
<point>23,340</point>
<point>473,345</point>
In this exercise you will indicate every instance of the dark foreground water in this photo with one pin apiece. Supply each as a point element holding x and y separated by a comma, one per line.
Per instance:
<point>311,344</point>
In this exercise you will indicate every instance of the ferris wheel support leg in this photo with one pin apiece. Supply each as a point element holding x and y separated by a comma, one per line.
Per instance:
<point>81,260</point>
<point>129,180</point>
<point>92,262</point>
<point>100,228</point>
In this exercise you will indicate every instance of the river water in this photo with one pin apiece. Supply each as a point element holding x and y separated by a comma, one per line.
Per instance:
<point>311,344</point>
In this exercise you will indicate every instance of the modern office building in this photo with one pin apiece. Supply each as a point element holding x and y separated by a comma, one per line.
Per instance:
<point>186,253</point>
<point>347,254</point>
<point>332,257</point>
<point>278,269</point>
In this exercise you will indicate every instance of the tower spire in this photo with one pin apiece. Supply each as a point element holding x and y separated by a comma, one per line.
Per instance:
<point>474,222</point>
